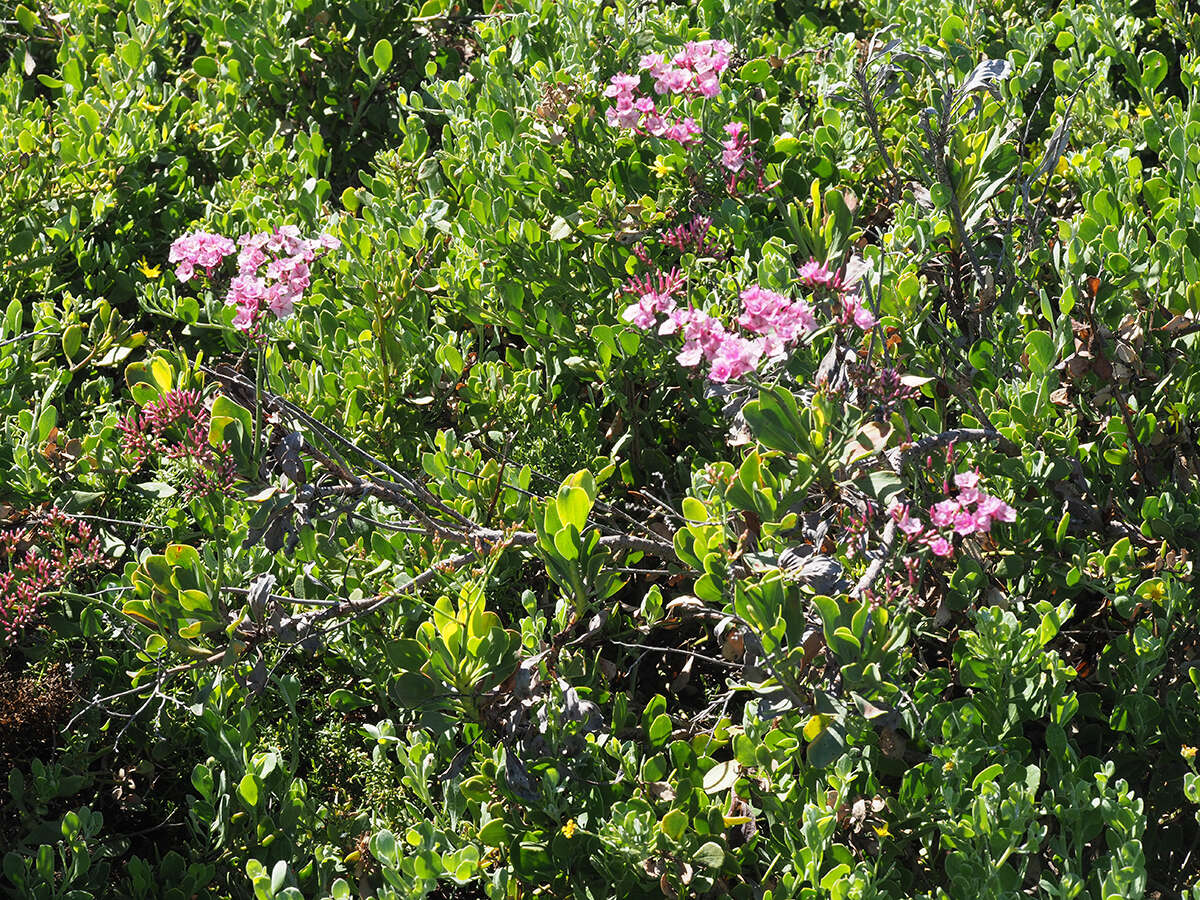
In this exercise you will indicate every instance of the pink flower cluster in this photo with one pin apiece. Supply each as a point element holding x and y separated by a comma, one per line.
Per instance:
<point>736,146</point>
<point>286,257</point>
<point>780,321</point>
<point>693,238</point>
<point>284,254</point>
<point>656,294</point>
<point>199,249</point>
<point>175,427</point>
<point>643,116</point>
<point>737,156</point>
<point>814,274</point>
<point>818,275</point>
<point>39,559</point>
<point>729,356</point>
<point>695,70</point>
<point>969,511</point>
<point>776,321</point>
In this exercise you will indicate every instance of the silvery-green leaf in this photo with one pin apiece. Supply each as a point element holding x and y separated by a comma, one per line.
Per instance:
<point>1055,148</point>
<point>822,573</point>
<point>985,75</point>
<point>259,594</point>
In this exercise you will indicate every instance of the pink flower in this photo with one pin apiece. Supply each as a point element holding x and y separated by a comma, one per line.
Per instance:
<point>910,525</point>
<point>854,310</point>
<point>944,514</point>
<point>964,523</point>
<point>243,320</point>
<point>683,131</point>
<point>690,355</point>
<point>734,156</point>
<point>815,274</point>
<point>641,313</point>
<point>708,85</point>
<point>864,318</point>
<point>281,301</point>
<point>997,508</point>
<point>622,84</point>
<point>199,248</point>
<point>940,546</point>
<point>651,62</point>
<point>245,290</point>
<point>966,479</point>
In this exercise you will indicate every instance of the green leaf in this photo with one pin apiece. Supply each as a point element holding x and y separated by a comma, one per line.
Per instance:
<point>882,486</point>
<point>1154,69</point>
<point>828,747</point>
<point>674,823</point>
<point>383,848</point>
<point>162,373</point>
<point>131,53</point>
<point>775,419</point>
<point>89,119</point>
<point>205,67</point>
<point>755,71</point>
<point>27,18</point>
<point>988,774</point>
<point>202,780</point>
<point>344,701</point>
<point>660,730</point>
<point>225,410</point>
<point>573,506</point>
<point>432,9</point>
<point>183,555</point>
<point>248,788</point>
<point>710,855</point>
<point>46,422</point>
<point>503,125</point>
<point>494,834</point>
<point>382,54</point>
<point>1039,347</point>
<point>72,339</point>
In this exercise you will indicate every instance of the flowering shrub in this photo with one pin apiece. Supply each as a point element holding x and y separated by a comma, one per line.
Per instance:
<point>584,528</point>
<point>40,558</point>
<point>695,71</point>
<point>968,511</point>
<point>175,427</point>
<point>273,268</point>
<point>779,323</point>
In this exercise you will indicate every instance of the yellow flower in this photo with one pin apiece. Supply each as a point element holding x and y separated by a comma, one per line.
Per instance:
<point>569,829</point>
<point>661,168</point>
<point>148,270</point>
<point>1188,753</point>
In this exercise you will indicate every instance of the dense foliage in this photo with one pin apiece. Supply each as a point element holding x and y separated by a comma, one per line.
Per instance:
<point>584,448</point>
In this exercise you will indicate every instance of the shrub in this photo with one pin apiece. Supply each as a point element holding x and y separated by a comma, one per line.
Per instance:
<point>719,450</point>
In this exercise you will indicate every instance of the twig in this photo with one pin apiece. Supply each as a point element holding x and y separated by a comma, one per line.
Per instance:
<point>26,336</point>
<point>887,544</point>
